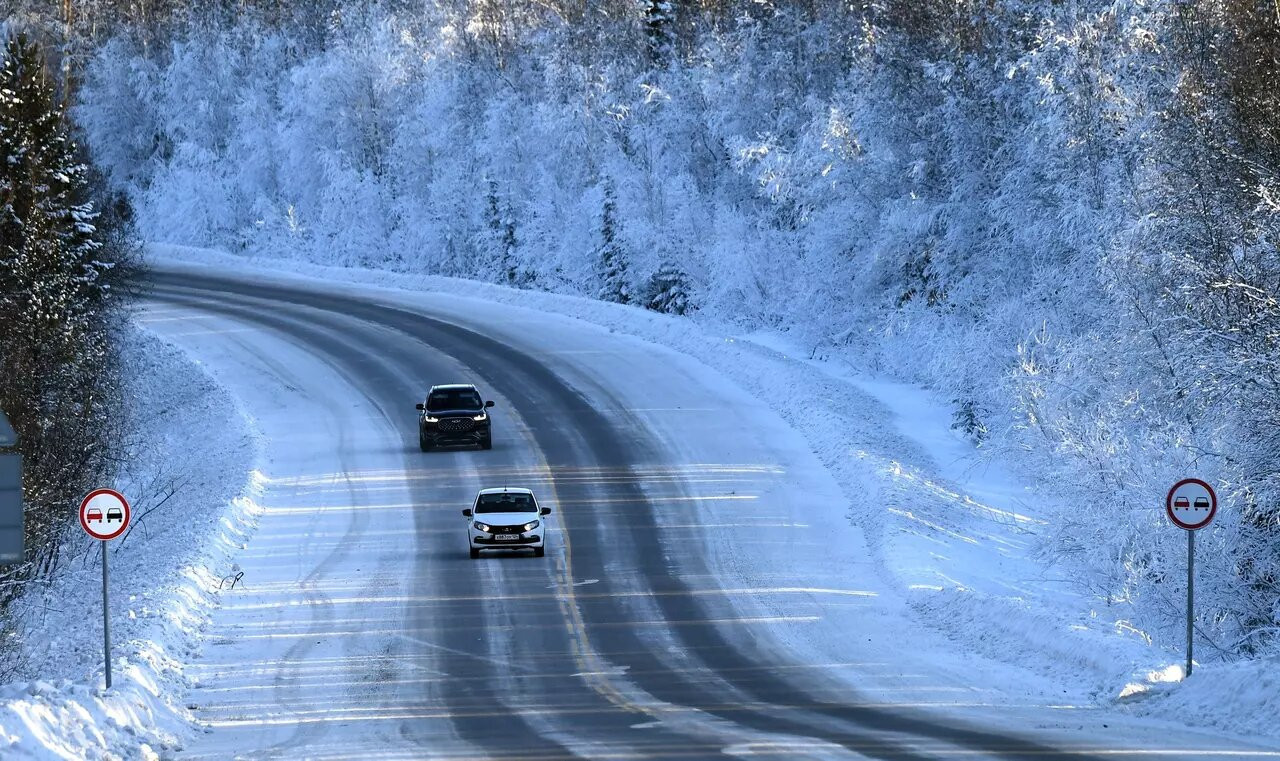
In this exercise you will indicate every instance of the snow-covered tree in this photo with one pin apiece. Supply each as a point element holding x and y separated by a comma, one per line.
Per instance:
<point>500,235</point>
<point>668,290</point>
<point>615,272</point>
<point>659,20</point>
<point>56,265</point>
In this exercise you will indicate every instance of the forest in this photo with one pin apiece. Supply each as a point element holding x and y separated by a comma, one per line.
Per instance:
<point>1060,215</point>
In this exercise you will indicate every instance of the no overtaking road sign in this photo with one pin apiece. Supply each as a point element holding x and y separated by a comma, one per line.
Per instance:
<point>104,514</point>
<point>1191,504</point>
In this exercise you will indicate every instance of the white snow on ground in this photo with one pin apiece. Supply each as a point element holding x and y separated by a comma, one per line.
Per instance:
<point>958,532</point>
<point>961,539</point>
<point>934,535</point>
<point>192,442</point>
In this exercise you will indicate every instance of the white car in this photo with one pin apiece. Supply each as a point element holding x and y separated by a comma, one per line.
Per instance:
<point>506,519</point>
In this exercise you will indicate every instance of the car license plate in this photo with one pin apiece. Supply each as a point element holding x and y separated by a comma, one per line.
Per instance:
<point>506,537</point>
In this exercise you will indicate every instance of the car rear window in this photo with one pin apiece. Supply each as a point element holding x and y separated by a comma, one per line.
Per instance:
<point>506,503</point>
<point>460,399</point>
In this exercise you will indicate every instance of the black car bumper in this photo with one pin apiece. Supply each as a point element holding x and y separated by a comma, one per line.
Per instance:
<point>436,434</point>
<point>454,438</point>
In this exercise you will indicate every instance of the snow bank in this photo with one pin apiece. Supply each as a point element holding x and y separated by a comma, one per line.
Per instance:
<point>1243,698</point>
<point>189,452</point>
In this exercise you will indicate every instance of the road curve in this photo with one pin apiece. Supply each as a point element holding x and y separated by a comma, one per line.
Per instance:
<point>382,639</point>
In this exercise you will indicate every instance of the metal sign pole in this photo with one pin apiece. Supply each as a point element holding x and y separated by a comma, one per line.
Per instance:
<point>106,620</point>
<point>1191,505</point>
<point>1191,591</point>
<point>99,510</point>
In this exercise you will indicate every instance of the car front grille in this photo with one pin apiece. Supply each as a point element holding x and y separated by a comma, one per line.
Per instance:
<point>457,424</point>
<point>507,529</point>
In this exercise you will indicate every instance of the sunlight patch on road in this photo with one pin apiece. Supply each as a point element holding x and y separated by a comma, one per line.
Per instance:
<point>294,602</point>
<point>558,473</point>
<point>322,634</point>
<point>304,509</point>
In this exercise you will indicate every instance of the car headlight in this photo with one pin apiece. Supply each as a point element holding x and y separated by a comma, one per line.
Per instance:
<point>479,418</point>
<point>483,526</point>
<point>430,419</point>
<point>530,526</point>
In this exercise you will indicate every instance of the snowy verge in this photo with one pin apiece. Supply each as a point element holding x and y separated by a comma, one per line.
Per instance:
<point>961,536</point>
<point>189,453</point>
<point>952,531</point>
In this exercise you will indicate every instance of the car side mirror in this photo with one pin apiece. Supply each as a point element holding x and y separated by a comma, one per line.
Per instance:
<point>467,512</point>
<point>489,403</point>
<point>418,407</point>
<point>545,511</point>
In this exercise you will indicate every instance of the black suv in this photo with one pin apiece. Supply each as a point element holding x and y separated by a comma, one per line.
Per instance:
<point>454,414</point>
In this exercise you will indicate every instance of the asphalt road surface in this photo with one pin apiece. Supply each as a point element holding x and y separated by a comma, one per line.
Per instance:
<point>363,630</point>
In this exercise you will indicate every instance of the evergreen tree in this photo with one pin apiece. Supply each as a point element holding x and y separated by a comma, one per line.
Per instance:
<point>658,20</point>
<point>616,285</point>
<point>668,291</point>
<point>55,378</point>
<point>502,237</point>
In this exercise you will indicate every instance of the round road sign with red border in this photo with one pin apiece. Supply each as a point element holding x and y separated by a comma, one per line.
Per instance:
<point>104,514</point>
<point>1191,504</point>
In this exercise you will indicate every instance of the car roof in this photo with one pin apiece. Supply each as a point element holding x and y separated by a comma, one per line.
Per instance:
<point>507,490</point>
<point>453,387</point>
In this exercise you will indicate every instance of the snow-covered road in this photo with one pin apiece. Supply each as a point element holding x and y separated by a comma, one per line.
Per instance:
<point>703,593</point>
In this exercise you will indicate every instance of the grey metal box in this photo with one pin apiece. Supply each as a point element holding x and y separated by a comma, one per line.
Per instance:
<point>11,523</point>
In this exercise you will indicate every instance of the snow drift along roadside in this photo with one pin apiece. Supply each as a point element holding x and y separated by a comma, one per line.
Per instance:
<point>912,485</point>
<point>190,452</point>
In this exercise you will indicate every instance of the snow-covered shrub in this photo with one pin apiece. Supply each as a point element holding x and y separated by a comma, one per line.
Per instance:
<point>667,291</point>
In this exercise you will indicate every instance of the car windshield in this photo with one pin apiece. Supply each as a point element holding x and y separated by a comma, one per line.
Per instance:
<point>506,503</point>
<point>454,399</point>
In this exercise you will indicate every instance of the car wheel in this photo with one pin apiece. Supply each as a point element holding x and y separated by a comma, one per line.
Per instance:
<point>423,444</point>
<point>474,553</point>
<point>539,551</point>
